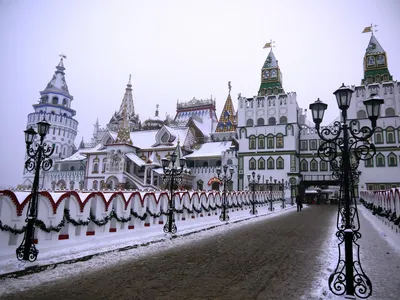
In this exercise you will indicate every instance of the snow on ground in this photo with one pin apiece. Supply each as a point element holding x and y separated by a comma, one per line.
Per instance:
<point>148,240</point>
<point>152,240</point>
<point>329,256</point>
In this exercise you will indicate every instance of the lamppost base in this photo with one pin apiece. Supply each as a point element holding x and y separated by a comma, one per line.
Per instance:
<point>31,256</point>
<point>223,218</point>
<point>173,228</point>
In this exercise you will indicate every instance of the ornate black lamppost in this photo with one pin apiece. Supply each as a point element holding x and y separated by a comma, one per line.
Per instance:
<point>284,185</point>
<point>253,182</point>
<point>171,176</point>
<point>344,145</point>
<point>225,178</point>
<point>271,184</point>
<point>39,158</point>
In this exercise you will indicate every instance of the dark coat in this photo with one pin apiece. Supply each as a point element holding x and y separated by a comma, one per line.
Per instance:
<point>298,199</point>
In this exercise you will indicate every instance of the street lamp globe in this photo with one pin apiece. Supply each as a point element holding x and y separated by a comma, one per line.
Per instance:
<point>182,162</point>
<point>165,162</point>
<point>231,170</point>
<point>318,109</point>
<point>29,136</point>
<point>343,97</point>
<point>373,106</point>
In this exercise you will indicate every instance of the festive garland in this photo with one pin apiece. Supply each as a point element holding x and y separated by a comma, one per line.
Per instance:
<point>12,230</point>
<point>73,221</point>
<point>40,224</point>
<point>122,219</point>
<point>378,210</point>
<point>134,214</point>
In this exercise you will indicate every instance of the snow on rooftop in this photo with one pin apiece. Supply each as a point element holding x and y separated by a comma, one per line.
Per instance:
<point>210,149</point>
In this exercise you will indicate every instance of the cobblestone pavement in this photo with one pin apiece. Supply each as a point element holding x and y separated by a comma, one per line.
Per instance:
<point>277,258</point>
<point>268,259</point>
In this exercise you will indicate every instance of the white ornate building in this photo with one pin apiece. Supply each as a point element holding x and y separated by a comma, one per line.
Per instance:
<point>269,134</point>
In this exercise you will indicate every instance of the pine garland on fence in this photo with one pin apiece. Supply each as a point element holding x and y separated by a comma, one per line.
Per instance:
<point>73,221</point>
<point>378,210</point>
<point>12,230</point>
<point>134,214</point>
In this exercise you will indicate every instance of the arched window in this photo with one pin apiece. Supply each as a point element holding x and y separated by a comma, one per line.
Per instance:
<point>392,160</point>
<point>304,165</point>
<point>380,160</point>
<point>95,186</point>
<point>252,164</point>
<point>71,186</point>
<point>54,100</point>
<point>390,137</point>
<point>65,102</point>
<point>270,163</point>
<point>279,140</point>
<point>252,142</point>
<point>361,114</point>
<point>95,168</point>
<point>280,163</point>
<point>261,164</point>
<point>81,185</point>
<point>260,121</point>
<point>378,136</point>
<point>72,168</point>
<point>104,165</point>
<point>249,123</point>
<point>271,121</point>
<point>313,165</point>
<point>323,165</point>
<point>53,185</point>
<point>229,162</point>
<point>283,120</point>
<point>205,164</point>
<point>102,185</point>
<point>261,141</point>
<point>369,163</point>
<point>389,112</point>
<point>377,78</point>
<point>270,141</point>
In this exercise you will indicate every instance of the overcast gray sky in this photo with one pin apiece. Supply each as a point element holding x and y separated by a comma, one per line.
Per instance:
<point>177,50</point>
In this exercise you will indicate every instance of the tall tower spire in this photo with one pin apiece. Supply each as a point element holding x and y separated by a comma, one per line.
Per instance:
<point>227,120</point>
<point>375,63</point>
<point>271,76</point>
<point>55,106</point>
<point>128,107</point>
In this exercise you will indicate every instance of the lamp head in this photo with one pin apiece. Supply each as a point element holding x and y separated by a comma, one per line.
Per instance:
<point>225,168</point>
<point>248,177</point>
<point>182,162</point>
<point>218,171</point>
<point>343,97</point>
<point>231,170</point>
<point>29,136</point>
<point>373,106</point>
<point>165,162</point>
<point>318,109</point>
<point>253,174</point>
<point>43,128</point>
<point>173,157</point>
<point>258,177</point>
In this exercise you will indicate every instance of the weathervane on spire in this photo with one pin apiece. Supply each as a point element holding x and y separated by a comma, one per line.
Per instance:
<point>229,86</point>
<point>370,29</point>
<point>269,45</point>
<point>62,55</point>
<point>130,76</point>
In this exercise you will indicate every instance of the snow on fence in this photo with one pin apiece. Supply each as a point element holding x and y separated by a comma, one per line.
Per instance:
<point>75,215</point>
<point>385,205</point>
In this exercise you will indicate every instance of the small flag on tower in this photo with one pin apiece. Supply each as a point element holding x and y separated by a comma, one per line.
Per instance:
<point>267,45</point>
<point>367,29</point>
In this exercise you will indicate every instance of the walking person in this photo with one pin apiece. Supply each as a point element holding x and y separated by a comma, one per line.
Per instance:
<point>299,202</point>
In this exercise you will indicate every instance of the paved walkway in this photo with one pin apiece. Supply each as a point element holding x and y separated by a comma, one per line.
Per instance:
<point>277,258</point>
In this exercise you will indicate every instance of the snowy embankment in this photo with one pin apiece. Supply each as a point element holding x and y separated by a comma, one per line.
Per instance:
<point>73,258</point>
<point>329,255</point>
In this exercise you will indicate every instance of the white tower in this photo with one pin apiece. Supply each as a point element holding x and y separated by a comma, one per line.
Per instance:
<point>55,107</point>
